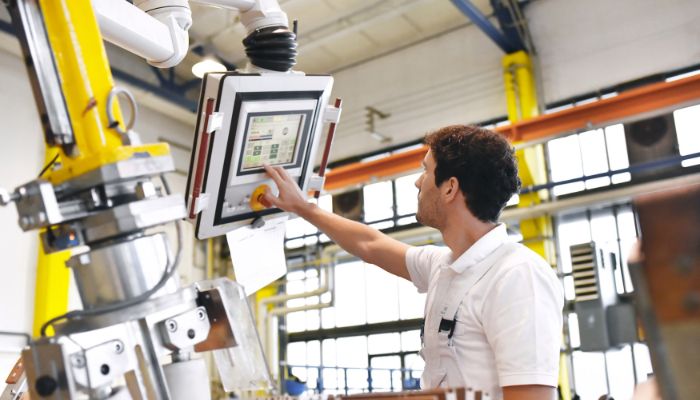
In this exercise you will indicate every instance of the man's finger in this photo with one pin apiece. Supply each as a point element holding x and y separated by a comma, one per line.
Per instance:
<point>274,174</point>
<point>284,174</point>
<point>268,200</point>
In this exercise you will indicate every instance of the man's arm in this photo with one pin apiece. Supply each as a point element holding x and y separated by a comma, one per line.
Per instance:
<point>358,239</point>
<point>529,392</point>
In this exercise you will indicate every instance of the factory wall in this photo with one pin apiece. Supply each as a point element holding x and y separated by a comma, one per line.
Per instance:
<point>586,45</point>
<point>21,159</point>
<point>456,77</point>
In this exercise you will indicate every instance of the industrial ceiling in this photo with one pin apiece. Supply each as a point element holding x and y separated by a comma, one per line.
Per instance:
<point>332,34</point>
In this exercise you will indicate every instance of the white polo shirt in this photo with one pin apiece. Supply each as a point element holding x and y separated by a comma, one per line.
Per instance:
<point>509,325</point>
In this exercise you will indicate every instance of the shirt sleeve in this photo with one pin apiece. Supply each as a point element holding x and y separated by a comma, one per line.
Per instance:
<point>420,262</point>
<point>522,319</point>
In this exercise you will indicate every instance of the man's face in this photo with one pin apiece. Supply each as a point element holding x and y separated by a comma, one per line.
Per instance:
<point>429,211</point>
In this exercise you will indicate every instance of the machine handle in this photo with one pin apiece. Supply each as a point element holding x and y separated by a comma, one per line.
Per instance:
<point>201,159</point>
<point>327,150</point>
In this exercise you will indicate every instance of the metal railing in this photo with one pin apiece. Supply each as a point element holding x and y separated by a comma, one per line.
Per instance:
<point>409,378</point>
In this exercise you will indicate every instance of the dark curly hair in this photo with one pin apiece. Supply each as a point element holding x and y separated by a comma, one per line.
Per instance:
<point>483,162</point>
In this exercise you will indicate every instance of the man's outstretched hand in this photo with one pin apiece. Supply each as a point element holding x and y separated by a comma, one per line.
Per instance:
<point>290,197</point>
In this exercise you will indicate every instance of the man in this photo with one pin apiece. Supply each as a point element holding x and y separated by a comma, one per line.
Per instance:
<point>493,309</point>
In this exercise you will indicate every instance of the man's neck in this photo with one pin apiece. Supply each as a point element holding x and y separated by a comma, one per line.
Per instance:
<point>460,234</point>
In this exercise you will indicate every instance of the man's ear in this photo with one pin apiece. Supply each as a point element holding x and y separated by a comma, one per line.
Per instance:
<point>451,188</point>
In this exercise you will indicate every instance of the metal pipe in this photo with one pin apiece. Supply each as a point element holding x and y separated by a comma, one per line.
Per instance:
<point>287,310</point>
<point>152,364</point>
<point>162,41</point>
<point>266,318</point>
<point>635,168</point>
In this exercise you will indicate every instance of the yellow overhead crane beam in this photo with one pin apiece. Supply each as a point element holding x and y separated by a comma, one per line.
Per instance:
<point>86,82</point>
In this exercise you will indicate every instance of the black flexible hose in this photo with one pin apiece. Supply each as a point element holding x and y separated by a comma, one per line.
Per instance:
<point>273,48</point>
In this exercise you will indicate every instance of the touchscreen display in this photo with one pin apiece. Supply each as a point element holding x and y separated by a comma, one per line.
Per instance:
<point>271,140</point>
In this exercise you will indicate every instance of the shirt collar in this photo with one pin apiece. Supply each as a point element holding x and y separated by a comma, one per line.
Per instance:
<point>481,249</point>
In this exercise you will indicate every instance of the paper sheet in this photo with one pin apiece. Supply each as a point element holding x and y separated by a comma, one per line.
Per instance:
<point>258,254</point>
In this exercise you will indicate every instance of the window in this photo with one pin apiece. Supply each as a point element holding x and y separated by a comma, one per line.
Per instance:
<point>617,152</point>
<point>351,299</point>
<point>378,201</point>
<point>357,286</point>
<point>688,131</point>
<point>387,204</point>
<point>342,363</point>
<point>590,153</point>
<point>407,194</point>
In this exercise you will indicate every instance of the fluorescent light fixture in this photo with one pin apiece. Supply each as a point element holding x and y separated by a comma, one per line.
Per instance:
<point>207,65</point>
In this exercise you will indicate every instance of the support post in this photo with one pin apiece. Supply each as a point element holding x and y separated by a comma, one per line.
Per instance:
<point>538,233</point>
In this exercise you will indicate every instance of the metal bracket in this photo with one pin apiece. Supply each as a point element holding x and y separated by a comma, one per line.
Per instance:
<point>332,115</point>
<point>216,119</point>
<point>37,205</point>
<point>47,370</point>
<point>201,202</point>
<point>185,330</point>
<point>221,335</point>
<point>100,365</point>
<point>316,183</point>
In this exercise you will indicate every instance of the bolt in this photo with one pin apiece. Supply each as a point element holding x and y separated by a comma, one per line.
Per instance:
<point>118,347</point>
<point>171,325</point>
<point>201,314</point>
<point>104,369</point>
<point>22,191</point>
<point>78,361</point>
<point>191,334</point>
<point>24,222</point>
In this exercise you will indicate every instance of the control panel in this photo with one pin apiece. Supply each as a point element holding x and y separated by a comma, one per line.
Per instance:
<point>247,121</point>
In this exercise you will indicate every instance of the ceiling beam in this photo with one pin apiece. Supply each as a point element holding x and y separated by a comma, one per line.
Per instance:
<point>479,19</point>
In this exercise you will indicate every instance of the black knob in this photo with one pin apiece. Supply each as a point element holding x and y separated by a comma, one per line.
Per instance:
<point>191,334</point>
<point>45,385</point>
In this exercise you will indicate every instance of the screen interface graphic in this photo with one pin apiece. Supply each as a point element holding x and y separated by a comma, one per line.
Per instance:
<point>271,140</point>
